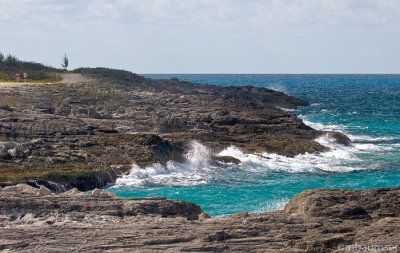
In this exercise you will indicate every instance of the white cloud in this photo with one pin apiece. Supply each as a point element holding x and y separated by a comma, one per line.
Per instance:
<point>268,14</point>
<point>103,9</point>
<point>22,16</point>
<point>342,14</point>
<point>209,33</point>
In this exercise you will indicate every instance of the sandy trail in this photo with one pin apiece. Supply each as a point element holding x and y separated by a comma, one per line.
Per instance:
<point>8,85</point>
<point>73,78</point>
<point>66,78</point>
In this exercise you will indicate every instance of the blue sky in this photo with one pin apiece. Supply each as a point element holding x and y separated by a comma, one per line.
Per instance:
<point>207,36</point>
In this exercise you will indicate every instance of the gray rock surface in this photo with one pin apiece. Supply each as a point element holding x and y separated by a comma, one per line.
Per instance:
<point>101,193</point>
<point>85,135</point>
<point>321,220</point>
<point>43,191</point>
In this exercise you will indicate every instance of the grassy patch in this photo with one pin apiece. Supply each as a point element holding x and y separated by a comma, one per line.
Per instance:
<point>36,72</point>
<point>38,78</point>
<point>109,74</point>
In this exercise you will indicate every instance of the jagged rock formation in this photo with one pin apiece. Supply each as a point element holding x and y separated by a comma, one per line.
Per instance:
<point>323,220</point>
<point>85,135</point>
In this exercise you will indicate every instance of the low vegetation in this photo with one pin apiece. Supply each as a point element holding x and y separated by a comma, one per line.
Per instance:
<point>109,74</point>
<point>11,65</point>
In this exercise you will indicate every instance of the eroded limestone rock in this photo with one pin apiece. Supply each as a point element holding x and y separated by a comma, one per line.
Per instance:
<point>320,220</point>
<point>43,191</point>
<point>103,194</point>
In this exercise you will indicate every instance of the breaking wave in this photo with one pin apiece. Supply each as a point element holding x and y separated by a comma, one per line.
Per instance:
<point>359,107</point>
<point>199,169</point>
<point>194,171</point>
<point>287,109</point>
<point>277,87</point>
<point>357,138</point>
<point>322,127</point>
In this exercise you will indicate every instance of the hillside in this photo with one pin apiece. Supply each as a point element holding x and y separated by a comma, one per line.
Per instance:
<point>10,65</point>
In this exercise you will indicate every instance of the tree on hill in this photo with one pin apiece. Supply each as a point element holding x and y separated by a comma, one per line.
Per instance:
<point>65,62</point>
<point>1,57</point>
<point>10,59</point>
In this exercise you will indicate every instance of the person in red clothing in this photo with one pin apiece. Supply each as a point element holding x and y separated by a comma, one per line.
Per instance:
<point>17,77</point>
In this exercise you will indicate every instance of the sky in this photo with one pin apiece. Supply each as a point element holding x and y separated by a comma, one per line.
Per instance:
<point>206,36</point>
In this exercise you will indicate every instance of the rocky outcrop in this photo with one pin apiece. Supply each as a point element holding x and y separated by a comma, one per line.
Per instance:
<point>23,199</point>
<point>340,138</point>
<point>346,204</point>
<point>10,150</point>
<point>321,220</point>
<point>84,135</point>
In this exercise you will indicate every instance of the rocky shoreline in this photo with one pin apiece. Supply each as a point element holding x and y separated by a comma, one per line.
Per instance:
<point>67,138</point>
<point>85,135</point>
<point>322,220</point>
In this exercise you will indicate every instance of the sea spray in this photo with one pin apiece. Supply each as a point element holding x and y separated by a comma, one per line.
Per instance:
<point>194,171</point>
<point>198,155</point>
<point>261,182</point>
<point>364,107</point>
<point>335,160</point>
<point>198,168</point>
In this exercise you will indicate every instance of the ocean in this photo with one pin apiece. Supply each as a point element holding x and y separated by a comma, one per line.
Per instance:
<point>364,107</point>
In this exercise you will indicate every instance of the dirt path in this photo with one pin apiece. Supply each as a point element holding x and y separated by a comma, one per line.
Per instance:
<point>7,85</point>
<point>66,78</point>
<point>73,78</point>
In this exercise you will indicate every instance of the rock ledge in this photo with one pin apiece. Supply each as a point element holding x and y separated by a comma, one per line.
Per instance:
<point>322,220</point>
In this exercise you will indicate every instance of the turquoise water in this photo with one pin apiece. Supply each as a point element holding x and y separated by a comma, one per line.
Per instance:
<point>365,107</point>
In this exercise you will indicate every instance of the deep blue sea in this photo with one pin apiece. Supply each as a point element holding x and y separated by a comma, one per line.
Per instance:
<point>364,107</point>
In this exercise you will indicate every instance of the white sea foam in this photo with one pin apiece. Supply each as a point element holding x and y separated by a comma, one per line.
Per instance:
<point>366,138</point>
<point>336,160</point>
<point>353,137</point>
<point>278,87</point>
<point>196,170</point>
<point>287,109</point>
<point>322,127</point>
<point>272,205</point>
<point>339,158</point>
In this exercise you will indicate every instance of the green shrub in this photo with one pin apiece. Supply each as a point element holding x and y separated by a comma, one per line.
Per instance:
<point>4,76</point>
<point>10,59</point>
<point>37,72</point>
<point>12,101</point>
<point>109,74</point>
